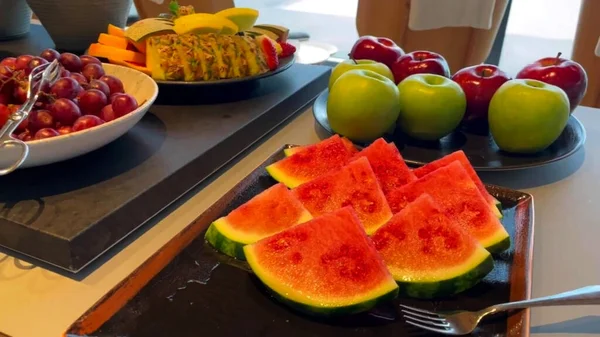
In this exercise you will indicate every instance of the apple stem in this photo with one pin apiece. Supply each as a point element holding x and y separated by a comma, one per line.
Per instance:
<point>558,57</point>
<point>353,60</point>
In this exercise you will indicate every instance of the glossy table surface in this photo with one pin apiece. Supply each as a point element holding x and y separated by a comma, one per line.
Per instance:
<point>37,301</point>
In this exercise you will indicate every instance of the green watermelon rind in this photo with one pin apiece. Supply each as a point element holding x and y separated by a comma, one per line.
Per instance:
<point>388,292</point>
<point>448,287</point>
<point>291,150</point>
<point>282,177</point>
<point>498,242</point>
<point>499,246</point>
<point>315,310</point>
<point>222,243</point>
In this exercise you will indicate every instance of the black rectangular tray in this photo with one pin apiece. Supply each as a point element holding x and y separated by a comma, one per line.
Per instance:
<point>187,289</point>
<point>69,213</point>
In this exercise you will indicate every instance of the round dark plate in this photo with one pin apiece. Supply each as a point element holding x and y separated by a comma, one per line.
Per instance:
<point>481,150</point>
<point>283,65</point>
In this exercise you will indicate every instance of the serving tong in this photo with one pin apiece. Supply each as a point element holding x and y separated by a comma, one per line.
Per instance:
<point>462,322</point>
<point>41,76</point>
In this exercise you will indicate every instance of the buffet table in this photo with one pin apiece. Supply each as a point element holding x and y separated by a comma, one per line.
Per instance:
<point>43,302</point>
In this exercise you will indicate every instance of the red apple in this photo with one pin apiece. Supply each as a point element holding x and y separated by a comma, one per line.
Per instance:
<point>419,62</point>
<point>378,49</point>
<point>563,73</point>
<point>479,83</point>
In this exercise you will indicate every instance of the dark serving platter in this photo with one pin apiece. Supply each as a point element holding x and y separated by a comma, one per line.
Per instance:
<point>284,64</point>
<point>187,289</point>
<point>481,150</point>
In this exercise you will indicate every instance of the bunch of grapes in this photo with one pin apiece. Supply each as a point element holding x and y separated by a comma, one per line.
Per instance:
<point>82,98</point>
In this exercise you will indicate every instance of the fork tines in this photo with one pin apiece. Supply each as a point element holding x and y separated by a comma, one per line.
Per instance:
<point>424,319</point>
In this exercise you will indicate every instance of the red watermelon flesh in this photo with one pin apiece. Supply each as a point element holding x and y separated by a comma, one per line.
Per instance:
<point>462,158</point>
<point>353,185</point>
<point>422,239</point>
<point>458,196</point>
<point>293,150</point>
<point>328,262</point>
<point>387,163</point>
<point>314,161</point>
<point>429,253</point>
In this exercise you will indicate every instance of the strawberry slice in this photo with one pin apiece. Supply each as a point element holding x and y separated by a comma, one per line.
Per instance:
<point>269,50</point>
<point>286,49</point>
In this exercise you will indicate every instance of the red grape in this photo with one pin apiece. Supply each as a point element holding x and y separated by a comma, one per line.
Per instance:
<point>123,104</point>
<point>102,86</point>
<point>71,62</point>
<point>24,136</point>
<point>93,71</point>
<point>50,55</point>
<point>40,119</point>
<point>36,61</point>
<point>20,92</point>
<point>5,98</point>
<point>115,84</point>
<point>65,111</point>
<point>107,113</point>
<point>46,133</point>
<point>79,78</point>
<point>64,72</point>
<point>4,113</point>
<point>86,122</point>
<point>7,81</point>
<point>63,130</point>
<point>92,101</point>
<point>9,62</point>
<point>65,87</point>
<point>22,62</point>
<point>87,59</point>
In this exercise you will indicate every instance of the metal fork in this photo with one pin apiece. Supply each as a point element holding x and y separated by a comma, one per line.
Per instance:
<point>464,322</point>
<point>40,76</point>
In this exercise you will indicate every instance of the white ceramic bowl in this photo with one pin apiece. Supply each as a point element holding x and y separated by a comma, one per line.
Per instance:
<point>55,149</point>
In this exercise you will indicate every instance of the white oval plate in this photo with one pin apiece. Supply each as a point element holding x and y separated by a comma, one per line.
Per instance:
<point>56,149</point>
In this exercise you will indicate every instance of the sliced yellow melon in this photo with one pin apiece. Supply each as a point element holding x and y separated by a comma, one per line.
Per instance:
<point>200,23</point>
<point>243,18</point>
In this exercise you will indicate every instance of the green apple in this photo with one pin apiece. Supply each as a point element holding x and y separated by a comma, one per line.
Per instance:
<point>431,106</point>
<point>362,105</point>
<point>526,116</point>
<point>346,65</point>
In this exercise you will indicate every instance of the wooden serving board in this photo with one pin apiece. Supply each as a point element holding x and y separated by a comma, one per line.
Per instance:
<point>67,214</point>
<point>188,289</point>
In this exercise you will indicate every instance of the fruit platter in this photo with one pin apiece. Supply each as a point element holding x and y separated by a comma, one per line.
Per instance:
<point>185,47</point>
<point>414,100</point>
<point>88,106</point>
<point>328,240</point>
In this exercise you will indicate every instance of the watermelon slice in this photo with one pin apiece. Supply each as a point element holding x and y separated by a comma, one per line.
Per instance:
<point>269,212</point>
<point>387,163</point>
<point>457,194</point>
<point>313,161</point>
<point>327,266</point>
<point>353,185</point>
<point>293,150</point>
<point>428,253</point>
<point>462,158</point>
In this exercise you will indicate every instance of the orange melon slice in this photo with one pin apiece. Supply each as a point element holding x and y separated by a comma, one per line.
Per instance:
<point>139,46</point>
<point>115,31</point>
<point>113,53</point>
<point>136,66</point>
<point>113,41</point>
